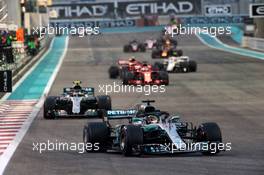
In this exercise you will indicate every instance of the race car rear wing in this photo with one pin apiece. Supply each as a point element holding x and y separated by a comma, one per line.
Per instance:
<point>123,62</point>
<point>87,90</point>
<point>120,114</point>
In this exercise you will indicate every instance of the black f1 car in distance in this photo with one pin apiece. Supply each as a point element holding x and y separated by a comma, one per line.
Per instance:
<point>135,46</point>
<point>151,131</point>
<point>76,101</point>
<point>167,47</point>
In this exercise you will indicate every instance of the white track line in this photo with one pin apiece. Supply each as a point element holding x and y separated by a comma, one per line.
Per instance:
<point>8,153</point>
<point>249,54</point>
<point>27,73</point>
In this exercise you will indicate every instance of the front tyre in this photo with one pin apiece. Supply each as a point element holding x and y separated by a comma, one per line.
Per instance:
<point>211,133</point>
<point>163,75</point>
<point>95,136</point>
<point>49,107</point>
<point>192,66</point>
<point>104,102</point>
<point>113,72</point>
<point>131,137</point>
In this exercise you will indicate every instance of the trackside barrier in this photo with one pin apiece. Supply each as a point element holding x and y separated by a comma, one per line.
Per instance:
<point>20,56</point>
<point>253,43</point>
<point>22,61</point>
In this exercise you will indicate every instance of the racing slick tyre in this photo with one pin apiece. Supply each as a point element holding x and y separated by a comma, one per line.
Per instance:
<point>155,54</point>
<point>192,66</point>
<point>142,48</point>
<point>163,75</point>
<point>184,67</point>
<point>104,102</point>
<point>131,136</point>
<point>211,133</point>
<point>49,107</point>
<point>122,71</point>
<point>127,77</point>
<point>180,53</point>
<point>126,48</point>
<point>159,66</point>
<point>174,42</point>
<point>113,72</point>
<point>97,134</point>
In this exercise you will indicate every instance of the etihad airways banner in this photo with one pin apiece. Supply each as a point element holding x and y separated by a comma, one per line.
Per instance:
<point>124,9</point>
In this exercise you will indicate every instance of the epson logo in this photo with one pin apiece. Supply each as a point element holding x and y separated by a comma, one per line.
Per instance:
<point>260,10</point>
<point>256,10</point>
<point>218,10</point>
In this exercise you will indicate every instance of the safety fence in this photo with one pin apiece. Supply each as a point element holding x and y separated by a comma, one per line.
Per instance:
<point>253,43</point>
<point>17,54</point>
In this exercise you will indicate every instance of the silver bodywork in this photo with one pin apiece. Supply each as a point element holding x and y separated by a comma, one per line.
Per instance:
<point>174,62</point>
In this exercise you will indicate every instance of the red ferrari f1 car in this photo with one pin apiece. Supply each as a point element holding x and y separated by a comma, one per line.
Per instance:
<point>133,72</point>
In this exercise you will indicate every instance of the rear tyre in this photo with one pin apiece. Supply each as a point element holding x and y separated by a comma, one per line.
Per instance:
<point>127,77</point>
<point>126,48</point>
<point>104,102</point>
<point>184,67</point>
<point>155,54</point>
<point>174,42</point>
<point>96,134</point>
<point>159,66</point>
<point>113,72</point>
<point>163,75</point>
<point>122,71</point>
<point>211,133</point>
<point>192,66</point>
<point>49,107</point>
<point>180,53</point>
<point>142,48</point>
<point>131,136</point>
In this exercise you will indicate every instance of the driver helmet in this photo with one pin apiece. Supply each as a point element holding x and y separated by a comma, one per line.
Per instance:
<point>132,59</point>
<point>152,119</point>
<point>167,42</point>
<point>77,85</point>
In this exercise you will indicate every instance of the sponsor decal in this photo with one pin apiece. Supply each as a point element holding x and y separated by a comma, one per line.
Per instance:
<point>165,7</point>
<point>256,10</point>
<point>6,81</point>
<point>121,112</point>
<point>214,20</point>
<point>218,10</point>
<point>124,9</point>
<point>77,11</point>
<point>100,24</point>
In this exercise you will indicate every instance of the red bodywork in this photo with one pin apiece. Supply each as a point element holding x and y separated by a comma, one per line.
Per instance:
<point>130,65</point>
<point>143,74</point>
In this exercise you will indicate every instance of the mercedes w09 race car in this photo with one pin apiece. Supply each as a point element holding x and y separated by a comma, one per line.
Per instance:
<point>177,64</point>
<point>134,46</point>
<point>133,72</point>
<point>151,131</point>
<point>76,101</point>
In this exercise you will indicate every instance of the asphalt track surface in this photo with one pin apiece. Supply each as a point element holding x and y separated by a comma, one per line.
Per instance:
<point>227,89</point>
